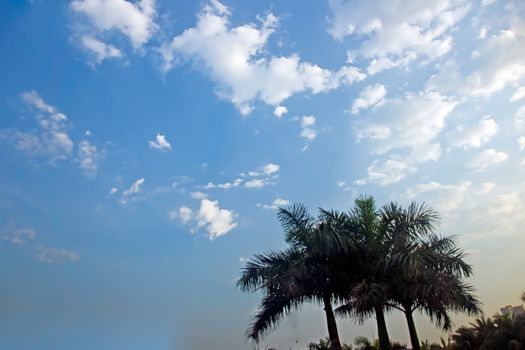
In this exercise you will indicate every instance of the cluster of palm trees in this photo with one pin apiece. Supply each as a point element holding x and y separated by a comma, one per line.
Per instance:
<point>499,332</point>
<point>367,261</point>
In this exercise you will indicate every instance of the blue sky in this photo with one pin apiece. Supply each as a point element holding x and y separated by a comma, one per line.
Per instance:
<point>144,147</point>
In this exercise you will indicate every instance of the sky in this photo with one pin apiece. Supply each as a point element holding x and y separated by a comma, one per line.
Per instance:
<point>146,145</point>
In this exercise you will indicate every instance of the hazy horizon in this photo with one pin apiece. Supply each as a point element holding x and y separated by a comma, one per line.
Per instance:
<point>145,146</point>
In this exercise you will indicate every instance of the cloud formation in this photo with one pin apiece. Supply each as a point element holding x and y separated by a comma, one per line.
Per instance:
<point>486,158</point>
<point>52,255</point>
<point>233,58</point>
<point>210,216</point>
<point>394,38</point>
<point>160,143</point>
<point>97,20</point>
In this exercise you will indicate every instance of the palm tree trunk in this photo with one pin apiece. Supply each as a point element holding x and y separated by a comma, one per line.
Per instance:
<point>382,332</point>
<point>335,343</point>
<point>412,330</point>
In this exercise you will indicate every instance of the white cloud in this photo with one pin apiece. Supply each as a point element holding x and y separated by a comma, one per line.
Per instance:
<point>519,118</point>
<point>411,126</point>
<point>279,111</point>
<point>474,136</point>
<point>134,188</point>
<point>276,204</point>
<point>224,186</point>
<point>113,190</point>
<point>377,65</point>
<point>87,157</point>
<point>198,195</point>
<point>100,49</point>
<point>396,37</point>
<point>386,173</point>
<point>185,214</point>
<point>256,183</point>
<point>499,64</point>
<point>97,19</point>
<point>216,220</point>
<point>19,236</point>
<point>50,139</point>
<point>263,176</point>
<point>406,123</point>
<point>371,96</point>
<point>490,209</point>
<point>488,2</point>
<point>160,143</point>
<point>521,142</point>
<point>52,255</point>
<point>233,58</point>
<point>373,132</point>
<point>307,127</point>
<point>448,199</point>
<point>519,94</point>
<point>271,168</point>
<point>486,158</point>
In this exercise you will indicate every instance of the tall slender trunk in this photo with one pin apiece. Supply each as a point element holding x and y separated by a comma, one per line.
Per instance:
<point>412,330</point>
<point>335,343</point>
<point>382,332</point>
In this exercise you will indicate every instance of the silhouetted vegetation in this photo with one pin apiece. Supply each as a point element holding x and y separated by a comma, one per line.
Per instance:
<point>369,261</point>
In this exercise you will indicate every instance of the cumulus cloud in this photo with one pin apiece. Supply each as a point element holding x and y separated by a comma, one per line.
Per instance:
<point>160,143</point>
<point>19,236</point>
<point>216,220</point>
<point>185,214</point>
<point>486,158</point>
<point>276,204</point>
<point>498,64</point>
<point>53,255</point>
<point>210,216</point>
<point>307,127</point>
<point>491,209</point>
<point>233,58</point>
<point>386,173</point>
<point>198,195</point>
<point>410,126</point>
<point>271,168</point>
<point>371,96</point>
<point>449,198</point>
<point>279,111</point>
<point>406,123</point>
<point>98,20</point>
<point>392,38</point>
<point>99,49</point>
<point>474,136</point>
<point>256,183</point>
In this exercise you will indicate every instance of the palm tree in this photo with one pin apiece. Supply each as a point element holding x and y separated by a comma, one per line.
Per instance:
<point>406,266</point>
<point>387,238</point>
<point>433,284</point>
<point>306,272</point>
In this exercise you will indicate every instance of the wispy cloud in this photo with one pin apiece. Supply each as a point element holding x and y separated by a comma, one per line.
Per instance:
<point>52,255</point>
